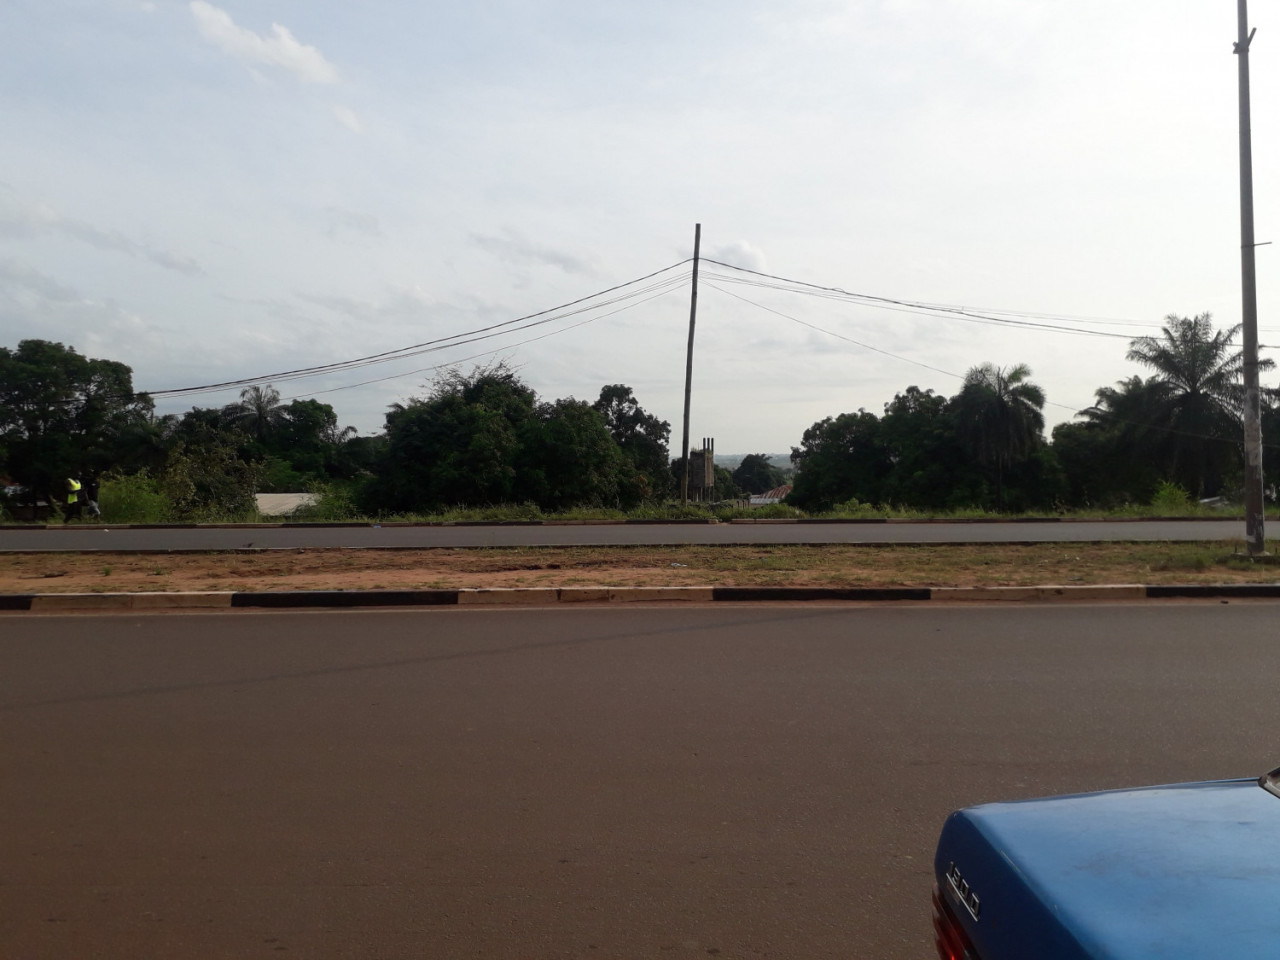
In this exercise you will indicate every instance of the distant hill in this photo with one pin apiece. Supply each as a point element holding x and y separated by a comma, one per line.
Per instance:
<point>730,461</point>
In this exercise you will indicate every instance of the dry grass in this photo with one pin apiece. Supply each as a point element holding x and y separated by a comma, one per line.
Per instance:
<point>835,566</point>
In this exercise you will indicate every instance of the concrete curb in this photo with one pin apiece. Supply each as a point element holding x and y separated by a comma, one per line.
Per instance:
<point>126,601</point>
<point>543,596</point>
<point>1092,592</point>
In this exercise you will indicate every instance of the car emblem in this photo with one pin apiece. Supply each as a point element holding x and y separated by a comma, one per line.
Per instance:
<point>963,892</point>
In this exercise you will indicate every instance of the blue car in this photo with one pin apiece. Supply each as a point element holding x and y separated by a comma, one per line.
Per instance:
<point>1189,870</point>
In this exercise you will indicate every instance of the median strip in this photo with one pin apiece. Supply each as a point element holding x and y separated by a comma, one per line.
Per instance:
<point>543,596</point>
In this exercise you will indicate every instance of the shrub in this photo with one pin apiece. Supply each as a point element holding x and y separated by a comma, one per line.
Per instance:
<point>335,502</point>
<point>1171,500</point>
<point>134,498</point>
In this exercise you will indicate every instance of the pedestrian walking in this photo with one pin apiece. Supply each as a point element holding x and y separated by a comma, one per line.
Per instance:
<point>73,499</point>
<point>91,508</point>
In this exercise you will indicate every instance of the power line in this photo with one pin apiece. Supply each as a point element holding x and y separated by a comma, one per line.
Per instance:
<point>1076,411</point>
<point>831,333</point>
<point>489,353</point>
<point>1005,318</point>
<point>549,315</point>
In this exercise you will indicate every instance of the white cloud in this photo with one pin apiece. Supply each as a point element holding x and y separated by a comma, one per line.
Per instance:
<point>520,251</point>
<point>20,220</point>
<point>37,305</point>
<point>281,49</point>
<point>341,220</point>
<point>16,275</point>
<point>410,303</point>
<point>347,117</point>
<point>739,253</point>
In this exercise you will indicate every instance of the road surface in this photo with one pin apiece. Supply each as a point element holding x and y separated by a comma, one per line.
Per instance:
<point>651,782</point>
<point>79,538</point>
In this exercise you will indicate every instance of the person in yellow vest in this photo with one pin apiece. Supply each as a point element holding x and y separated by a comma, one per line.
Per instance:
<point>73,499</point>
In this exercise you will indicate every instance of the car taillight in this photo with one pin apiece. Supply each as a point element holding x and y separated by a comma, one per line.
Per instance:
<point>949,937</point>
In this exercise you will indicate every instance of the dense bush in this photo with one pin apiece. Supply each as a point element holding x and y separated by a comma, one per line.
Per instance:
<point>134,498</point>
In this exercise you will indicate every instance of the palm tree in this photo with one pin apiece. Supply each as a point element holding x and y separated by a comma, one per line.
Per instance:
<point>337,437</point>
<point>1201,411</point>
<point>1001,415</point>
<point>259,410</point>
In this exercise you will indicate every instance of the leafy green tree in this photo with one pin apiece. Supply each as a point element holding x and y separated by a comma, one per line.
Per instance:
<point>62,414</point>
<point>458,446</point>
<point>142,444</point>
<point>757,474</point>
<point>929,465</point>
<point>209,480</point>
<point>569,458</point>
<point>308,439</point>
<point>304,425</point>
<point>484,439</point>
<point>1036,482</point>
<point>200,421</point>
<point>999,412</point>
<point>641,437</point>
<point>1201,408</point>
<point>1118,453</point>
<point>839,458</point>
<point>296,443</point>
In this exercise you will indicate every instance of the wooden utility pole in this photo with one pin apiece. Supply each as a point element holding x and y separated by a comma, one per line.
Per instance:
<point>1254,509</point>
<point>688,364</point>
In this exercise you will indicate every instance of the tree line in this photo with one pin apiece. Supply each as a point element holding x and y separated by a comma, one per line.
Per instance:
<point>476,439</point>
<point>485,438</point>
<point>985,447</point>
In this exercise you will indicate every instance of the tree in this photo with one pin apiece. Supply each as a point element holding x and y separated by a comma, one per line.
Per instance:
<point>1118,453</point>
<point>756,474</point>
<point>459,446</point>
<point>209,481</point>
<point>999,412</point>
<point>569,458</point>
<point>1200,412</point>
<point>839,458</point>
<point>484,439</point>
<point>641,437</point>
<point>309,444</point>
<point>62,414</point>
<point>929,464</point>
<point>259,410</point>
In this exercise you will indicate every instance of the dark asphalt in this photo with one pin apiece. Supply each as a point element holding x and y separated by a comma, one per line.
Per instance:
<point>643,782</point>
<point>288,537</point>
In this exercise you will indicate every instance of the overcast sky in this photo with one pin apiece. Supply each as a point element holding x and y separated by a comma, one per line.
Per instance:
<point>209,191</point>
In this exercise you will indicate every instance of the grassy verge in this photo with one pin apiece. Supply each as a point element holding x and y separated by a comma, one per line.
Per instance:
<point>833,566</point>
<point>531,512</point>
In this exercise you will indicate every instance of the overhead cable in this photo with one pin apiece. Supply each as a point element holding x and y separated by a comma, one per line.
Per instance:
<point>1004,318</point>
<point>572,308</point>
<point>1075,411</point>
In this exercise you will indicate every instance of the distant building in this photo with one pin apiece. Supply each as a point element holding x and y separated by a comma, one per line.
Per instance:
<point>284,504</point>
<point>770,497</point>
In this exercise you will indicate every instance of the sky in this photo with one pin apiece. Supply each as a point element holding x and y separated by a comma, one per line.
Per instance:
<point>217,191</point>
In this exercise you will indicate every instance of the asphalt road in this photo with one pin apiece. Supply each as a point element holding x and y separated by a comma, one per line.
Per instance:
<point>650,782</point>
<point>80,538</point>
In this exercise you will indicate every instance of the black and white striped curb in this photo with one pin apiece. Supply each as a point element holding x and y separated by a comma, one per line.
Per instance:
<point>541,596</point>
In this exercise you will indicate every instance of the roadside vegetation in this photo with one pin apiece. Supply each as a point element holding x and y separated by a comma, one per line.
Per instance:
<point>482,446</point>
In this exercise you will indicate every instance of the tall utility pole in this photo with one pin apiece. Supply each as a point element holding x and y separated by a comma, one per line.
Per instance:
<point>688,364</point>
<point>1253,502</point>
